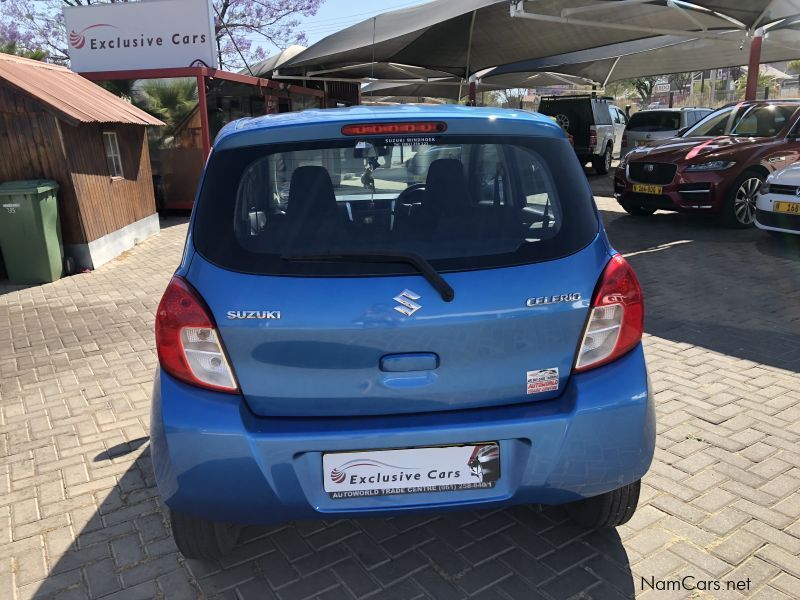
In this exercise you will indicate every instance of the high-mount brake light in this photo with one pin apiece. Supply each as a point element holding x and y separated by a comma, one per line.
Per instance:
<point>189,347</point>
<point>616,321</point>
<point>393,128</point>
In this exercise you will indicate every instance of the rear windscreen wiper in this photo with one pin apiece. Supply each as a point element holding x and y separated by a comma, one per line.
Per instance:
<point>411,258</point>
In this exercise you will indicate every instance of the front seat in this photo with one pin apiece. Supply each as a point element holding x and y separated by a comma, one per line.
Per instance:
<point>312,215</point>
<point>446,193</point>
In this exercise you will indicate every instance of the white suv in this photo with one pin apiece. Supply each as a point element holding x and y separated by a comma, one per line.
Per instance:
<point>659,124</point>
<point>596,126</point>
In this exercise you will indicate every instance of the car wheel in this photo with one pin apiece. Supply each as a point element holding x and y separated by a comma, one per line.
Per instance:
<point>602,164</point>
<point>606,510</point>
<point>201,538</point>
<point>740,208</point>
<point>638,211</point>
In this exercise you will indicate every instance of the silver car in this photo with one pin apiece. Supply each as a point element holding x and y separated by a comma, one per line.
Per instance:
<point>649,125</point>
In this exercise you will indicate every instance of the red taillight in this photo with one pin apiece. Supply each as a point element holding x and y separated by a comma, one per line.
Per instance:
<point>393,128</point>
<point>625,140</point>
<point>592,137</point>
<point>189,347</point>
<point>616,320</point>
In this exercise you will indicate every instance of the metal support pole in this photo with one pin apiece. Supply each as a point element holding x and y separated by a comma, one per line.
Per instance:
<point>671,98</point>
<point>753,65</point>
<point>467,74</point>
<point>203,108</point>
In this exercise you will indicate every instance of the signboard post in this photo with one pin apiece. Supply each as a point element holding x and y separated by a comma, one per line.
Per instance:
<point>140,35</point>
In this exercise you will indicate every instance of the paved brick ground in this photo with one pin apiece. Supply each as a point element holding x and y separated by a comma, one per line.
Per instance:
<point>79,516</point>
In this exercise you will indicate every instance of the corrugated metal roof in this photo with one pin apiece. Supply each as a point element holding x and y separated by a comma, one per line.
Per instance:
<point>69,95</point>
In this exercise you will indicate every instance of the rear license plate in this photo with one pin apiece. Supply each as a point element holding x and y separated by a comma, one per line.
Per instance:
<point>411,470</point>
<point>647,189</point>
<point>787,207</point>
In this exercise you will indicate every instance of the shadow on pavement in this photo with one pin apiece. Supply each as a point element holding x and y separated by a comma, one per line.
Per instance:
<point>125,551</point>
<point>731,291</point>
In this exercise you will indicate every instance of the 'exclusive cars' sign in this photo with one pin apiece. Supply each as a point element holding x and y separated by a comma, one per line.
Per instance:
<point>140,35</point>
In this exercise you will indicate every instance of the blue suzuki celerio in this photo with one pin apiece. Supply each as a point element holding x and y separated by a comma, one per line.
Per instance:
<point>383,311</point>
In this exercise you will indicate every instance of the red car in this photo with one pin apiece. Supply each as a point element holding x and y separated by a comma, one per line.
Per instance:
<point>716,166</point>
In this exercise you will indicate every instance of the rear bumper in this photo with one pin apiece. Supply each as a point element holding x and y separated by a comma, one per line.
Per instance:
<point>700,192</point>
<point>214,459</point>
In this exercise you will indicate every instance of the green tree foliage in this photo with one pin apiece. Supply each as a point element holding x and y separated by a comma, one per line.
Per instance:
<point>644,87</point>
<point>764,81</point>
<point>680,81</point>
<point>14,48</point>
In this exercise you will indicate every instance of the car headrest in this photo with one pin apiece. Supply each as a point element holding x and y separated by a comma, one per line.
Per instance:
<point>446,186</point>
<point>311,194</point>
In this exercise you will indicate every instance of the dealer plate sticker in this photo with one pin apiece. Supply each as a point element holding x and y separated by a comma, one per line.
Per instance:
<point>543,380</point>
<point>411,470</point>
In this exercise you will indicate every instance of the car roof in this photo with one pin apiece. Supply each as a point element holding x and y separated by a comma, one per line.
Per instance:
<point>503,118</point>
<point>775,101</point>
<point>675,109</point>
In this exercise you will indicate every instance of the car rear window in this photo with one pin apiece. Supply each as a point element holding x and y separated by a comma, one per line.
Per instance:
<point>655,120</point>
<point>460,202</point>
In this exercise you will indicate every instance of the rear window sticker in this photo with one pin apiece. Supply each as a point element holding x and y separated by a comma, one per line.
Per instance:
<point>543,380</point>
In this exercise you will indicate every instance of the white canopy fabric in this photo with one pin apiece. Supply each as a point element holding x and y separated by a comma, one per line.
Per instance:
<point>467,36</point>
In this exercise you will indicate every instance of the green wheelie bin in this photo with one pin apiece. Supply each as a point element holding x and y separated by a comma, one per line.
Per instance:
<point>30,234</point>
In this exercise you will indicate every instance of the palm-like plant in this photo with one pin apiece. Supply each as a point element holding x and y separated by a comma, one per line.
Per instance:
<point>171,100</point>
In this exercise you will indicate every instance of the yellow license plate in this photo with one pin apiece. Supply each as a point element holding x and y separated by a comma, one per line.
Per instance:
<point>787,207</point>
<point>646,189</point>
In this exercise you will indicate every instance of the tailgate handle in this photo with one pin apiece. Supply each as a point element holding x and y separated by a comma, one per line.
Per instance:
<point>416,361</point>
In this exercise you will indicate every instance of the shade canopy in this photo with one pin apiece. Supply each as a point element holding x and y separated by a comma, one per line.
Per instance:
<point>454,89</point>
<point>376,70</point>
<point>663,54</point>
<point>264,68</point>
<point>467,36</point>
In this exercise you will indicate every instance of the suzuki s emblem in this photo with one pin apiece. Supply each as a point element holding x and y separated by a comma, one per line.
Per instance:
<point>407,305</point>
<point>649,168</point>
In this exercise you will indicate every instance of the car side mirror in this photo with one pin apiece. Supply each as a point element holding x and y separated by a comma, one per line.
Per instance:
<point>682,130</point>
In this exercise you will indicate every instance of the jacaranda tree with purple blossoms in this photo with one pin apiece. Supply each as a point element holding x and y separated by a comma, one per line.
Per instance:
<point>248,25</point>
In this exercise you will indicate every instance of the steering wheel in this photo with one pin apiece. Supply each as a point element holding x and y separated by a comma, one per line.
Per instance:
<point>402,197</point>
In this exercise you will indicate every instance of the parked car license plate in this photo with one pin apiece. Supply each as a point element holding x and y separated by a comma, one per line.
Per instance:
<point>411,470</point>
<point>787,207</point>
<point>643,188</point>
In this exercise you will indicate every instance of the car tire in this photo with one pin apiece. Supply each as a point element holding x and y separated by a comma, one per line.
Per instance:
<point>637,211</point>
<point>201,538</point>
<point>608,510</point>
<point>602,163</point>
<point>739,211</point>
